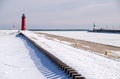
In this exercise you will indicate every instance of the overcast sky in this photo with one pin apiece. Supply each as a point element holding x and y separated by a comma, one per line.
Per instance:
<point>60,13</point>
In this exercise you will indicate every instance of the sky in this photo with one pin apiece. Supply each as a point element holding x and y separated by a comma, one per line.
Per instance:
<point>72,14</point>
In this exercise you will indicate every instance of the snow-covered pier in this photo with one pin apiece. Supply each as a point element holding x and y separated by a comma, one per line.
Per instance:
<point>67,69</point>
<point>87,64</point>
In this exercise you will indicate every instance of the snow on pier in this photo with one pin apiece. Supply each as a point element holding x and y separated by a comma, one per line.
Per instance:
<point>19,59</point>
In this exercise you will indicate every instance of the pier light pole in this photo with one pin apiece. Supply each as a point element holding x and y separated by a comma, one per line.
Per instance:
<point>23,25</point>
<point>94,26</point>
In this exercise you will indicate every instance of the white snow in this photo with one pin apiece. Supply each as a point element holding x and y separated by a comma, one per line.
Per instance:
<point>88,64</point>
<point>19,59</point>
<point>15,61</point>
<point>103,38</point>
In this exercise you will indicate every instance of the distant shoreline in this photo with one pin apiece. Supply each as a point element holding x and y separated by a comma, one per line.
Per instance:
<point>59,29</point>
<point>105,31</point>
<point>95,30</point>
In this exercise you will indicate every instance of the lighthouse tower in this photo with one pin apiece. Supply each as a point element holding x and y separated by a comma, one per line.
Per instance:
<point>23,25</point>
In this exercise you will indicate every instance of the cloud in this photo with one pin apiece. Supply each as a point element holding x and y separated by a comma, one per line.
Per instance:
<point>102,13</point>
<point>60,12</point>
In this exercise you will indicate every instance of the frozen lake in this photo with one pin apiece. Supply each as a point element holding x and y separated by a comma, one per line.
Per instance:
<point>103,38</point>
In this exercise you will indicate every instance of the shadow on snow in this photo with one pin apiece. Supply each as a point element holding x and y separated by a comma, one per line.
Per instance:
<point>43,64</point>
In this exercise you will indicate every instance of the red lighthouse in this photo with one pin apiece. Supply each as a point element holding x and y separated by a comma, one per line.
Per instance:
<point>23,25</point>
